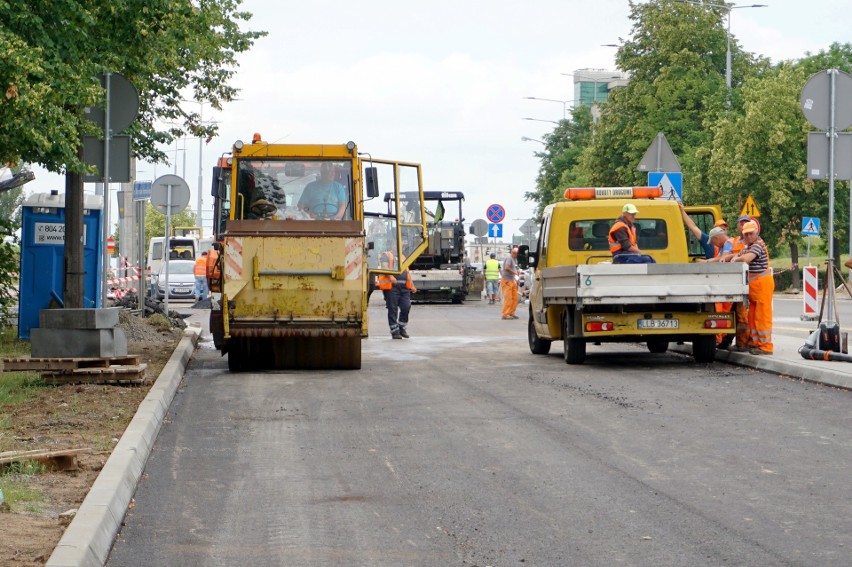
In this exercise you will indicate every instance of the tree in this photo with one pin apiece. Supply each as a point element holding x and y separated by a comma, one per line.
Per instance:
<point>762,152</point>
<point>53,51</point>
<point>155,222</point>
<point>52,54</point>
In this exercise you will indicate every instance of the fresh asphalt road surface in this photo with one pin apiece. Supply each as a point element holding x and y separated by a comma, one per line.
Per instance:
<point>459,447</point>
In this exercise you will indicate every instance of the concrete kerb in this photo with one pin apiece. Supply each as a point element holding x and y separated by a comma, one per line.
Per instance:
<point>801,370</point>
<point>88,539</point>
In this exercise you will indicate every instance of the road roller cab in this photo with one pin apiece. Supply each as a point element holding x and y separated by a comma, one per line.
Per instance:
<point>296,256</point>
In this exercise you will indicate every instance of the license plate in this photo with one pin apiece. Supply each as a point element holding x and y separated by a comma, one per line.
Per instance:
<point>180,290</point>
<point>659,323</point>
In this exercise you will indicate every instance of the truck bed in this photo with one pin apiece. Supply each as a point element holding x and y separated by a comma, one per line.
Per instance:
<point>606,284</point>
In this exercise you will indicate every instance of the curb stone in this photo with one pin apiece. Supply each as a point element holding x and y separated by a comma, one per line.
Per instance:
<point>88,539</point>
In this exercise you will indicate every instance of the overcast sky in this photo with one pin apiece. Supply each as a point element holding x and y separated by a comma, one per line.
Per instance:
<point>442,83</point>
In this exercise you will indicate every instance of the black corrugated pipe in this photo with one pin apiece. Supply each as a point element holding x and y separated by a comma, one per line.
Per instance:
<point>828,334</point>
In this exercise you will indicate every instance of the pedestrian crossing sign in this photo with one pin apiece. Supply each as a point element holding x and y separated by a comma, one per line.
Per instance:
<point>810,226</point>
<point>750,208</point>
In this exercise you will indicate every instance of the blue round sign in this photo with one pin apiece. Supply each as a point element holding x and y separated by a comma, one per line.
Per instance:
<point>496,213</point>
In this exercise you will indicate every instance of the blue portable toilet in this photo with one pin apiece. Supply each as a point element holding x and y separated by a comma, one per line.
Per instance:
<point>42,250</point>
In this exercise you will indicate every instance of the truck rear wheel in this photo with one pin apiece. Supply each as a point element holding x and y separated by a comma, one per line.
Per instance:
<point>658,345</point>
<point>537,345</point>
<point>574,350</point>
<point>704,348</point>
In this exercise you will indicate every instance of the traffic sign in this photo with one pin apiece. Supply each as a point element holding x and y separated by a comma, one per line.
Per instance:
<point>671,182</point>
<point>479,227</point>
<point>819,152</point>
<point>496,213</point>
<point>495,230</point>
<point>659,156</point>
<point>816,100</point>
<point>160,198</point>
<point>810,226</point>
<point>750,208</point>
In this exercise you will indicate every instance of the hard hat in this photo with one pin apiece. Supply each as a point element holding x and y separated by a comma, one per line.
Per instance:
<point>750,227</point>
<point>721,222</point>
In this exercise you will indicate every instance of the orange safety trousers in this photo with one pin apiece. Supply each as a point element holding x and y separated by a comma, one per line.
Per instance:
<point>723,308</point>
<point>510,296</point>
<point>761,288</point>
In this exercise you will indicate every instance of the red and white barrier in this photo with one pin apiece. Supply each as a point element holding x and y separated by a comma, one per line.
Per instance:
<point>133,278</point>
<point>811,291</point>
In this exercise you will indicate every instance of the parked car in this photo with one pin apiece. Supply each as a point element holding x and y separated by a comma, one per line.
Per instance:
<point>181,280</point>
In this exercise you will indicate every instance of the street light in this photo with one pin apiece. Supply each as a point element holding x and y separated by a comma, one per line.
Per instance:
<point>525,139</point>
<point>564,103</point>
<point>728,9</point>
<point>541,120</point>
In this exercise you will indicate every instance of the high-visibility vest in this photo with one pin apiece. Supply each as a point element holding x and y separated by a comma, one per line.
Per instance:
<point>614,245</point>
<point>212,266</point>
<point>383,281</point>
<point>492,269</point>
<point>737,245</point>
<point>200,268</point>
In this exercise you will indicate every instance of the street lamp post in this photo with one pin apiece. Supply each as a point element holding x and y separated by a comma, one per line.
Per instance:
<point>525,139</point>
<point>564,103</point>
<point>728,9</point>
<point>541,120</point>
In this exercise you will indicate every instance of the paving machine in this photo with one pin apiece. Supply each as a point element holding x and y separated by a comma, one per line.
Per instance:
<point>441,272</point>
<point>294,253</point>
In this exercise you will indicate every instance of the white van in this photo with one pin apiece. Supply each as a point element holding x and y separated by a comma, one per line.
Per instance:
<point>180,248</point>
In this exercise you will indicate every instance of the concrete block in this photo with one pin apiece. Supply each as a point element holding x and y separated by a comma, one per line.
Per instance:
<point>78,343</point>
<point>106,318</point>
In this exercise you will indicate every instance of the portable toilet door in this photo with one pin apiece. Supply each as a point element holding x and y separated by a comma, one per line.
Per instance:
<point>42,256</point>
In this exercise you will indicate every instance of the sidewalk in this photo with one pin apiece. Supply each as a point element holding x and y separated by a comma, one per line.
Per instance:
<point>786,360</point>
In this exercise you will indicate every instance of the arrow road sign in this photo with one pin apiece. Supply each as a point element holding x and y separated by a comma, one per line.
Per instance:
<point>750,208</point>
<point>810,226</point>
<point>671,182</point>
<point>496,213</point>
<point>495,230</point>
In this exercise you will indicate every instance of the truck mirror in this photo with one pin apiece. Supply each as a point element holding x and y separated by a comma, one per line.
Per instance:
<point>523,256</point>
<point>532,260</point>
<point>294,169</point>
<point>217,182</point>
<point>371,178</point>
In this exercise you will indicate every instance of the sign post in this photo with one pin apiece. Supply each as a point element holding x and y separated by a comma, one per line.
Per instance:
<point>819,103</point>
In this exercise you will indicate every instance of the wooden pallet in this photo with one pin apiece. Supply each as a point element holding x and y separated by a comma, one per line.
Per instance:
<point>56,364</point>
<point>119,370</point>
<point>62,460</point>
<point>123,375</point>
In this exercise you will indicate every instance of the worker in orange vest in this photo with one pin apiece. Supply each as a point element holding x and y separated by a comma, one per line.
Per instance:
<point>397,292</point>
<point>622,239</point>
<point>761,287</point>
<point>200,272</point>
<point>737,245</point>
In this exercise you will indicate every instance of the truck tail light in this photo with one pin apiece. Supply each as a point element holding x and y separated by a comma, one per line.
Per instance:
<point>718,324</point>
<point>593,326</point>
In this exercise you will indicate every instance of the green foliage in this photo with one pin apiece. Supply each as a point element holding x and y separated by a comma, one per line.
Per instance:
<point>675,56</point>
<point>52,52</point>
<point>155,222</point>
